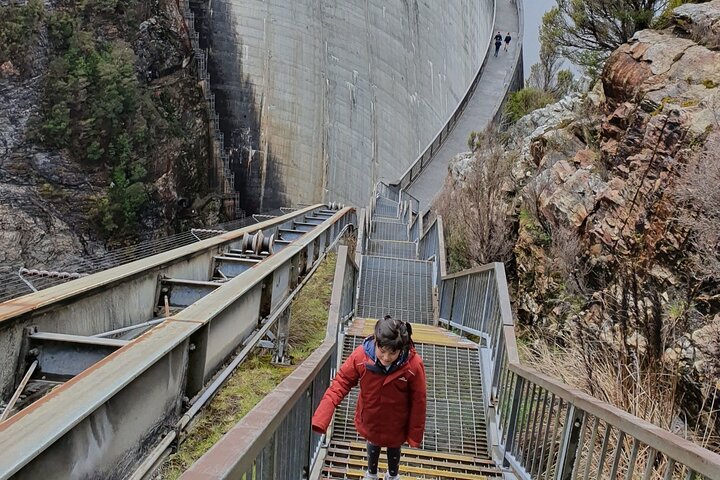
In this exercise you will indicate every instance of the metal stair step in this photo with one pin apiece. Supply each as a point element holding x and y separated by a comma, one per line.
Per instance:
<point>455,443</point>
<point>418,471</point>
<point>455,420</point>
<point>398,287</point>
<point>389,219</point>
<point>393,249</point>
<point>389,230</point>
<point>429,334</point>
<point>386,207</point>
<point>417,457</point>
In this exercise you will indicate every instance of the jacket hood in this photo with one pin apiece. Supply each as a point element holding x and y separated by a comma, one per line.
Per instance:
<point>376,366</point>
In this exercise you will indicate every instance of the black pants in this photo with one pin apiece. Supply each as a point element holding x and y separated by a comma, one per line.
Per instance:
<point>393,458</point>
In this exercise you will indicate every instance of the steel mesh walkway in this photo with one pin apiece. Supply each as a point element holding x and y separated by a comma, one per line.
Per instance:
<point>398,287</point>
<point>387,229</point>
<point>393,281</point>
<point>388,248</point>
<point>386,208</point>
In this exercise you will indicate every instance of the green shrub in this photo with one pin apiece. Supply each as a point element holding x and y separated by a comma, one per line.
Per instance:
<point>61,26</point>
<point>125,15</point>
<point>525,101</point>
<point>93,110</point>
<point>97,112</point>
<point>92,94</point>
<point>118,213</point>
<point>99,7</point>
<point>665,19</point>
<point>19,26</point>
<point>474,142</point>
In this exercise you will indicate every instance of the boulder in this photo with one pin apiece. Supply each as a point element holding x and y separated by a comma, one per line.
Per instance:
<point>701,20</point>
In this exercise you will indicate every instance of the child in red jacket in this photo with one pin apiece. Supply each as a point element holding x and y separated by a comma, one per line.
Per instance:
<point>391,406</point>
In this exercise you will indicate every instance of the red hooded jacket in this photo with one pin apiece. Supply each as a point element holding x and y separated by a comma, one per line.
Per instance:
<point>391,407</point>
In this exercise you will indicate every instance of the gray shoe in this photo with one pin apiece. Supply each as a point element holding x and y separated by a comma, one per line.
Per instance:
<point>394,477</point>
<point>370,476</point>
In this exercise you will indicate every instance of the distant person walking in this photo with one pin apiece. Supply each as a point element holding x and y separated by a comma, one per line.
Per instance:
<point>498,43</point>
<point>507,40</point>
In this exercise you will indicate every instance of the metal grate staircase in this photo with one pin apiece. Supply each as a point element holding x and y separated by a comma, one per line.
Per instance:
<point>394,282</point>
<point>455,442</point>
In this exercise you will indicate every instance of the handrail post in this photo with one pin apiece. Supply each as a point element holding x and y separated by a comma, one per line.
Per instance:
<point>491,280</point>
<point>513,417</point>
<point>280,356</point>
<point>452,300</point>
<point>569,446</point>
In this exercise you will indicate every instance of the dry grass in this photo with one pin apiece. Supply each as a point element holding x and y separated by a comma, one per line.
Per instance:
<point>698,197</point>
<point>257,377</point>
<point>651,392</point>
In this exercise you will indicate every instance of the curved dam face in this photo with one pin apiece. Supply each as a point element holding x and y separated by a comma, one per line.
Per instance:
<point>319,99</point>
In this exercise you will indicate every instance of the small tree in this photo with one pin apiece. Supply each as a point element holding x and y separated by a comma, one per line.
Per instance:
<point>524,101</point>
<point>476,209</point>
<point>19,28</point>
<point>586,31</point>
<point>547,75</point>
<point>543,73</point>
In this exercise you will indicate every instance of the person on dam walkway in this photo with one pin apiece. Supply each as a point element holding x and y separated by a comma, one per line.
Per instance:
<point>392,401</point>
<point>498,42</point>
<point>507,41</point>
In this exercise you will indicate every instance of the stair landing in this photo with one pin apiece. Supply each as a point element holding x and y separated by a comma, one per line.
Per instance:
<point>428,334</point>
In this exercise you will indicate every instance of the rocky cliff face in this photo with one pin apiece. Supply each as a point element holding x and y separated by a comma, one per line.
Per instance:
<point>616,199</point>
<point>57,206</point>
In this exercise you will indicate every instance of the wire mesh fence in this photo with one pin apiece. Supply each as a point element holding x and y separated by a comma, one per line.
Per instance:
<point>18,280</point>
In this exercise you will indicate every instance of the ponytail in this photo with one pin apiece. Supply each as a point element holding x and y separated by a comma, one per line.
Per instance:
<point>393,334</point>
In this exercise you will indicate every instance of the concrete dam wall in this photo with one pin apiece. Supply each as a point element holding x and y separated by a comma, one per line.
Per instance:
<point>319,99</point>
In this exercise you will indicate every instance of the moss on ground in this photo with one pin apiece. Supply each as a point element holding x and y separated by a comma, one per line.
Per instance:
<point>257,377</point>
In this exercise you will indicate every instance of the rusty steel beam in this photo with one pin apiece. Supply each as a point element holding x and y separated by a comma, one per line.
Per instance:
<point>239,450</point>
<point>114,299</point>
<point>96,281</point>
<point>113,411</point>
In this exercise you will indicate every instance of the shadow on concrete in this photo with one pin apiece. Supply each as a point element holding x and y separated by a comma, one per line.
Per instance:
<point>257,176</point>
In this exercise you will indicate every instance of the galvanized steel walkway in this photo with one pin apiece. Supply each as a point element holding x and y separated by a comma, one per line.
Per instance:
<point>393,281</point>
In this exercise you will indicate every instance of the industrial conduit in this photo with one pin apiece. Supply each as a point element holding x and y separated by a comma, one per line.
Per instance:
<point>159,453</point>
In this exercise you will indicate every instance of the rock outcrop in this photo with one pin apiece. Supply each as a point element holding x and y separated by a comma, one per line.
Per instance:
<point>608,234</point>
<point>49,198</point>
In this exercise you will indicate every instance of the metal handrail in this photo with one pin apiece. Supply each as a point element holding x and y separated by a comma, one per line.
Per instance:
<point>692,455</point>
<point>242,449</point>
<point>522,404</point>
<point>424,159</point>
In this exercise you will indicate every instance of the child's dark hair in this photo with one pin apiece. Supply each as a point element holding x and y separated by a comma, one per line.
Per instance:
<point>393,334</point>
